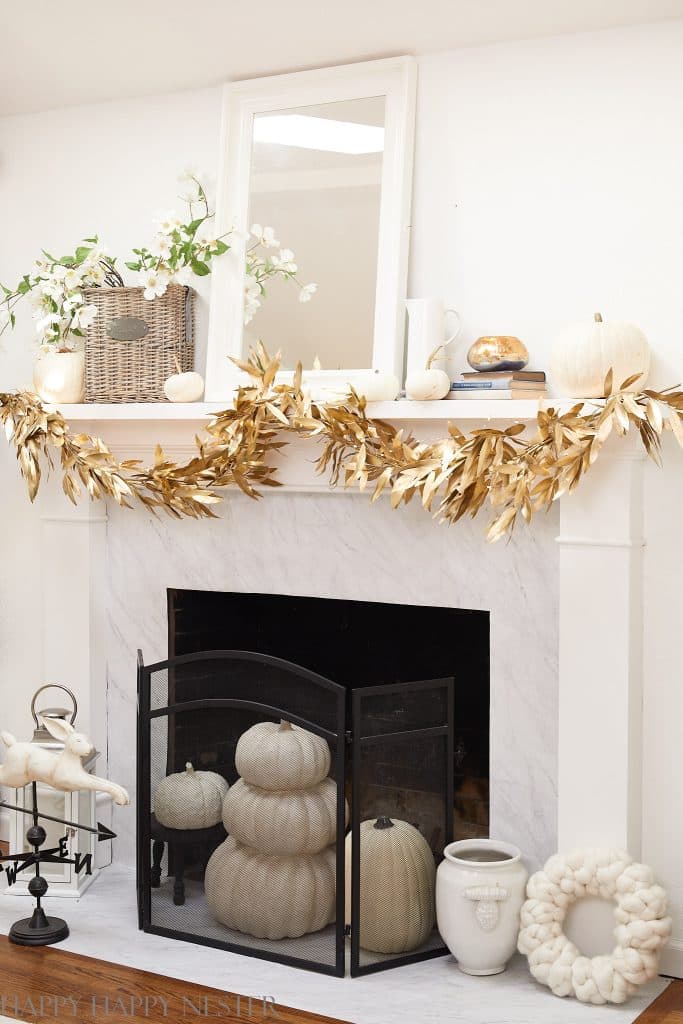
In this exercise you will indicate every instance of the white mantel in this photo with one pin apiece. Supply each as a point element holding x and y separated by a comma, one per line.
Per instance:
<point>598,769</point>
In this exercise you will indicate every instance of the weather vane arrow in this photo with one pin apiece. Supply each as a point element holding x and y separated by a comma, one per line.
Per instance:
<point>102,832</point>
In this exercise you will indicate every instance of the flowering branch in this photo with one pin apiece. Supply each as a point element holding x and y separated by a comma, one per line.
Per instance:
<point>181,249</point>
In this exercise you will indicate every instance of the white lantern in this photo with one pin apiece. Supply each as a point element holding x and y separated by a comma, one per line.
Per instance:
<point>78,807</point>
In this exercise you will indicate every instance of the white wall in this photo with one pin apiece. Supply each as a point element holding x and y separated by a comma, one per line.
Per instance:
<point>547,186</point>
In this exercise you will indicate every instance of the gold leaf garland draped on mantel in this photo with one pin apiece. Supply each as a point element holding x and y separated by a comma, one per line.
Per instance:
<point>452,477</point>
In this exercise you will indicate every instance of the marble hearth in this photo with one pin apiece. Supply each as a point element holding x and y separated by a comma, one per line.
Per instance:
<point>555,647</point>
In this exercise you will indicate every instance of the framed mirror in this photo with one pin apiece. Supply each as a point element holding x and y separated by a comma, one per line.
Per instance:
<point>315,176</point>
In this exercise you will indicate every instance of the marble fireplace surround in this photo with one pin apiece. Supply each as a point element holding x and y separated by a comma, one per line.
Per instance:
<point>566,665</point>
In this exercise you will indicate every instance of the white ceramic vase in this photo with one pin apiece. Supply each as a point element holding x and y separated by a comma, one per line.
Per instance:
<point>59,377</point>
<point>480,887</point>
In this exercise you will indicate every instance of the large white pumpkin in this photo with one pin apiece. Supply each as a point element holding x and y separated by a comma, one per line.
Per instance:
<point>298,821</point>
<point>584,353</point>
<point>281,756</point>
<point>397,883</point>
<point>190,799</point>
<point>271,897</point>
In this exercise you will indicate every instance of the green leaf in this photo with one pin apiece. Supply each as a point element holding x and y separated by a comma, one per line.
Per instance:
<point>94,240</point>
<point>82,252</point>
<point>132,266</point>
<point>199,268</point>
<point>221,247</point>
<point>24,286</point>
<point>191,228</point>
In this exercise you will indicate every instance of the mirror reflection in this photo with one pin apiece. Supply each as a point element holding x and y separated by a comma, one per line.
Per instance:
<point>316,175</point>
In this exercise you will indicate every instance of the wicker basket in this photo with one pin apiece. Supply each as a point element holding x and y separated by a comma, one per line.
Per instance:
<point>135,371</point>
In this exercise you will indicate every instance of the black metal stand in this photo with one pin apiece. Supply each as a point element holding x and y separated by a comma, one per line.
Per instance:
<point>39,929</point>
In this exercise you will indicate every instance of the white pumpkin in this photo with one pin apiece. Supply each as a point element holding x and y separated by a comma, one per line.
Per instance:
<point>271,897</point>
<point>190,799</point>
<point>584,353</point>
<point>397,883</point>
<point>427,385</point>
<point>296,821</point>
<point>281,756</point>
<point>184,387</point>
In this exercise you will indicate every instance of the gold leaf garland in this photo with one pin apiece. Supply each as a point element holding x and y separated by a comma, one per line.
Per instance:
<point>452,477</point>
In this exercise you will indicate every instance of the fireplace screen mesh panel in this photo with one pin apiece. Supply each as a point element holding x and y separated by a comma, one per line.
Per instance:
<point>401,773</point>
<point>390,758</point>
<point>194,710</point>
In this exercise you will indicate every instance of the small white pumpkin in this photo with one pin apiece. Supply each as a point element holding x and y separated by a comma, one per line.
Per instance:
<point>430,384</point>
<point>271,897</point>
<point>584,353</point>
<point>190,799</point>
<point>184,387</point>
<point>295,821</point>
<point>397,882</point>
<point>282,756</point>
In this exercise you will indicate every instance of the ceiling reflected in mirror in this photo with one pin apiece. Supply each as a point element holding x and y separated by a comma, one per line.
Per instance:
<point>316,176</point>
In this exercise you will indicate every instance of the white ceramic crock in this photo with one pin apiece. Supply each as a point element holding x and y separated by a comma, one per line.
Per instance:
<point>480,887</point>
<point>58,377</point>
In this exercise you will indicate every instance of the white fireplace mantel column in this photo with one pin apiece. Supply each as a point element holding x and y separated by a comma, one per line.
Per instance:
<point>600,658</point>
<point>73,561</point>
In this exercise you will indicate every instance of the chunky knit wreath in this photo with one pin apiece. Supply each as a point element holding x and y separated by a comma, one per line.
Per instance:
<point>641,925</point>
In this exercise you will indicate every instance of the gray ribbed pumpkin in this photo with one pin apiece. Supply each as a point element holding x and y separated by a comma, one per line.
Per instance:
<point>294,821</point>
<point>397,882</point>
<point>190,799</point>
<point>279,755</point>
<point>271,897</point>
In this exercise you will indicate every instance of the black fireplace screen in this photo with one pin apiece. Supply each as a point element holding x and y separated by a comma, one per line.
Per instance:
<point>281,814</point>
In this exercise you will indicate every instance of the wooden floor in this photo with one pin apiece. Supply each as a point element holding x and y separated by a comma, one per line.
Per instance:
<point>48,985</point>
<point>668,1009</point>
<point>83,990</point>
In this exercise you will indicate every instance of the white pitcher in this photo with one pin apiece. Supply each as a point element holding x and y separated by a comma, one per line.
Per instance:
<point>426,330</point>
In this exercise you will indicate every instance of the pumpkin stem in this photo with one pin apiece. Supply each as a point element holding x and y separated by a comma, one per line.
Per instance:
<point>188,768</point>
<point>433,355</point>
<point>383,822</point>
<point>284,726</point>
<point>597,317</point>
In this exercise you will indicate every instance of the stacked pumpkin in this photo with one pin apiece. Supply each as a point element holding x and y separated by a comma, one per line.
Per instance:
<point>274,877</point>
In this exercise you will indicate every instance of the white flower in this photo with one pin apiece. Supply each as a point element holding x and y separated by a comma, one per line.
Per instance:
<point>161,245</point>
<point>284,261</point>
<point>44,326</point>
<point>169,223</point>
<point>252,299</point>
<point>183,275</point>
<point>265,236</point>
<point>72,302</point>
<point>189,184</point>
<point>53,288</point>
<point>83,317</point>
<point>59,272</point>
<point>156,282</point>
<point>72,279</point>
<point>94,275</point>
<point>307,292</point>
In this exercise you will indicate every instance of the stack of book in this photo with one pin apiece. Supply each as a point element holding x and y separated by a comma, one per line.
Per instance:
<point>498,384</point>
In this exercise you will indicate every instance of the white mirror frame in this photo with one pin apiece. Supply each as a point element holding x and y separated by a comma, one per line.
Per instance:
<point>394,78</point>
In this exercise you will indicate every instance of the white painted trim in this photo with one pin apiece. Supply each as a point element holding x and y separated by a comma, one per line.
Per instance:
<point>671,959</point>
<point>395,78</point>
<point>5,819</point>
<point>598,542</point>
<point>73,519</point>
